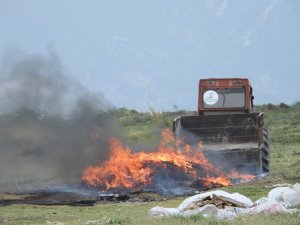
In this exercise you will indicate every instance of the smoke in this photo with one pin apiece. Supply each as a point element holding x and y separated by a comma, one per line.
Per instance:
<point>51,127</point>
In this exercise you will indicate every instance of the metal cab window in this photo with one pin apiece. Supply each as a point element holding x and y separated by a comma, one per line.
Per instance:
<point>224,98</point>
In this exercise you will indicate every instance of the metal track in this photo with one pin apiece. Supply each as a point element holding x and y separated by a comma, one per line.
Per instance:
<point>265,152</point>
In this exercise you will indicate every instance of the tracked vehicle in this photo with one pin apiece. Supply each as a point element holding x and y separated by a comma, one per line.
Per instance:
<point>233,135</point>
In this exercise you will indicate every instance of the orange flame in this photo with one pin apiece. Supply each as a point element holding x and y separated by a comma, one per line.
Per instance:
<point>235,175</point>
<point>125,168</point>
<point>211,181</point>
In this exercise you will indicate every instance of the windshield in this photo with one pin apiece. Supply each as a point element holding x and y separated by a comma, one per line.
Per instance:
<point>224,98</point>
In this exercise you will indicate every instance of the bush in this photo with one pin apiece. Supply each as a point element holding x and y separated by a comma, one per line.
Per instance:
<point>283,105</point>
<point>271,107</point>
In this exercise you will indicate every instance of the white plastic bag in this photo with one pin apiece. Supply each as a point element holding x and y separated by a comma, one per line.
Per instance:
<point>207,210</point>
<point>159,211</point>
<point>289,195</point>
<point>292,197</point>
<point>210,211</point>
<point>189,202</point>
<point>270,207</point>
<point>276,193</point>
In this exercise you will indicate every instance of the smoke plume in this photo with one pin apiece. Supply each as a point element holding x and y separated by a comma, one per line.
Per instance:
<point>51,127</point>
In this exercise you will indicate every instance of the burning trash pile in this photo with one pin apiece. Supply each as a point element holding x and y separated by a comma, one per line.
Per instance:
<point>174,168</point>
<point>223,205</point>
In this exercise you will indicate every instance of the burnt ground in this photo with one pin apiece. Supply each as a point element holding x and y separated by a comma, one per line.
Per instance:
<point>76,199</point>
<point>82,195</point>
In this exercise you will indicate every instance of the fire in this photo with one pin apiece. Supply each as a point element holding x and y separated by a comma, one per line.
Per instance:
<point>125,168</point>
<point>235,175</point>
<point>211,181</point>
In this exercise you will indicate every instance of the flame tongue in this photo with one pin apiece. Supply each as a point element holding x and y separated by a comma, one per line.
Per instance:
<point>122,169</point>
<point>127,169</point>
<point>211,181</point>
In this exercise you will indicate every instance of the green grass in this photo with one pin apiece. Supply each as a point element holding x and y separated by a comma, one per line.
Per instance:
<point>143,128</point>
<point>122,213</point>
<point>283,123</point>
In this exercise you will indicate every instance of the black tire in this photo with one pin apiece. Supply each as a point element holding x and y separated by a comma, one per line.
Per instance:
<point>265,152</point>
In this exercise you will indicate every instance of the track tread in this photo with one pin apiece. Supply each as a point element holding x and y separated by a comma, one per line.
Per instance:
<point>265,150</point>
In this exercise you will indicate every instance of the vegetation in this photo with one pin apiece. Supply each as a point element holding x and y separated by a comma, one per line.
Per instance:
<point>144,127</point>
<point>283,122</point>
<point>120,214</point>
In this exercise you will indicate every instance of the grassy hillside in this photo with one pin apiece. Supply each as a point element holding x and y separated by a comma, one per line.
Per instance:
<point>143,129</point>
<point>283,122</point>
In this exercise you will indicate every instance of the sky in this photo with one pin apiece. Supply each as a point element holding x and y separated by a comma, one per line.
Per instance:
<point>151,54</point>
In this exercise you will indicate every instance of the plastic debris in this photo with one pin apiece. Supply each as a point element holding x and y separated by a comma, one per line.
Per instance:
<point>197,200</point>
<point>276,193</point>
<point>206,211</point>
<point>289,195</point>
<point>223,205</point>
<point>158,211</point>
<point>270,207</point>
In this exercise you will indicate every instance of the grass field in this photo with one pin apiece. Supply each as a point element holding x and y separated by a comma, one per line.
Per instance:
<point>142,129</point>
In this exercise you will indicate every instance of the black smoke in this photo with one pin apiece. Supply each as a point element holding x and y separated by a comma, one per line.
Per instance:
<point>51,127</point>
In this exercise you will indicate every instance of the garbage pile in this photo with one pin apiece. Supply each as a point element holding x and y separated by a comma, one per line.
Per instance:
<point>223,205</point>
